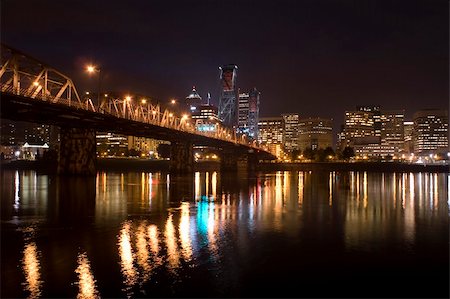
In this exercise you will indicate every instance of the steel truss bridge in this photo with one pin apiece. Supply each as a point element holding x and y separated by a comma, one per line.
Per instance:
<point>35,92</point>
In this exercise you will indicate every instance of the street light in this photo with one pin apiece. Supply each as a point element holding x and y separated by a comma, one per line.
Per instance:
<point>91,69</point>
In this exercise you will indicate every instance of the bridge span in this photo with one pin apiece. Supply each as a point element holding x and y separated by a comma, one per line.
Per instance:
<point>34,92</point>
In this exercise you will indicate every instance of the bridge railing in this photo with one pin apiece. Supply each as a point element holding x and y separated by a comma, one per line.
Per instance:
<point>150,114</point>
<point>87,105</point>
<point>23,75</point>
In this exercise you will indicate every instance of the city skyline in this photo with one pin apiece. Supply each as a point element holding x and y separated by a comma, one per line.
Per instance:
<point>300,55</point>
<point>224,148</point>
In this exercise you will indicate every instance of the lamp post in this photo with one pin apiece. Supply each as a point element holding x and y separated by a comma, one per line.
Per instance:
<point>91,69</point>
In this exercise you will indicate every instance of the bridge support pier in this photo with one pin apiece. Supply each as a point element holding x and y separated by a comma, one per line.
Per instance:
<point>233,162</point>
<point>228,161</point>
<point>247,163</point>
<point>181,157</point>
<point>77,152</point>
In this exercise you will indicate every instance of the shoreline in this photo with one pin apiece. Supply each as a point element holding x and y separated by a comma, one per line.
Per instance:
<point>354,166</point>
<point>130,164</point>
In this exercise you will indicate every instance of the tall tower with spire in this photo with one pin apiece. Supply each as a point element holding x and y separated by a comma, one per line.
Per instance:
<point>228,95</point>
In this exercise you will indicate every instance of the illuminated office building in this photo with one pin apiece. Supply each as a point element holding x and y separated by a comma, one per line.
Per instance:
<point>408,129</point>
<point>193,100</point>
<point>205,118</point>
<point>430,133</point>
<point>358,129</point>
<point>271,133</point>
<point>290,131</point>
<point>248,113</point>
<point>315,133</point>
<point>110,144</point>
<point>392,129</point>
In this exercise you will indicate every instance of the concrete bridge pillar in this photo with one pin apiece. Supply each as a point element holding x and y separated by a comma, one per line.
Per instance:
<point>77,152</point>
<point>243,162</point>
<point>228,161</point>
<point>181,157</point>
<point>247,163</point>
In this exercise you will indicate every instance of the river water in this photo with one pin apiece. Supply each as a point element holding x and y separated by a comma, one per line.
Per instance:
<point>281,234</point>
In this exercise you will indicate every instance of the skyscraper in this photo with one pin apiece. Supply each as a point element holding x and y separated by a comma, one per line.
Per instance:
<point>228,94</point>
<point>376,116</point>
<point>359,128</point>
<point>290,131</point>
<point>248,113</point>
<point>408,129</point>
<point>205,118</point>
<point>243,105</point>
<point>271,133</point>
<point>253,113</point>
<point>193,100</point>
<point>430,132</point>
<point>392,130</point>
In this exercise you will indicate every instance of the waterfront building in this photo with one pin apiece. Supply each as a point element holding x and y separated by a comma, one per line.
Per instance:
<point>271,134</point>
<point>430,133</point>
<point>147,147</point>
<point>340,143</point>
<point>32,151</point>
<point>392,130</point>
<point>408,129</point>
<point>290,131</point>
<point>371,129</point>
<point>37,134</point>
<point>358,126</point>
<point>111,144</point>
<point>376,116</point>
<point>17,133</point>
<point>374,151</point>
<point>315,133</point>
<point>8,133</point>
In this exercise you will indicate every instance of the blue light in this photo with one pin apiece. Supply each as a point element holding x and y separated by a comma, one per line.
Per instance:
<point>206,128</point>
<point>202,217</point>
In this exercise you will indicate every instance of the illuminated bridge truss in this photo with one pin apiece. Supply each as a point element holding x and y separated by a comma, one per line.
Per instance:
<point>25,76</point>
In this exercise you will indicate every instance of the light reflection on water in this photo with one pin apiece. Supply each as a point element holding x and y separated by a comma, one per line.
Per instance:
<point>184,229</point>
<point>142,251</point>
<point>157,230</point>
<point>127,258</point>
<point>31,266</point>
<point>86,283</point>
<point>173,255</point>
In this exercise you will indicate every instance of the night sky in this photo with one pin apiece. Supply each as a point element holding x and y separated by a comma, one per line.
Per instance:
<point>317,58</point>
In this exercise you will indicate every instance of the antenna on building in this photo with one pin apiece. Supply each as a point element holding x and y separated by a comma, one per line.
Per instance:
<point>209,98</point>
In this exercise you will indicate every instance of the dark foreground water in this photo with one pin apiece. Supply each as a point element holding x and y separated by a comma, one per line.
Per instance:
<point>288,234</point>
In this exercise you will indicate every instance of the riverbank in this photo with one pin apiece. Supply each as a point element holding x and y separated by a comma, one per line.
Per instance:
<point>356,166</point>
<point>130,164</point>
<point>108,164</point>
<point>133,164</point>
